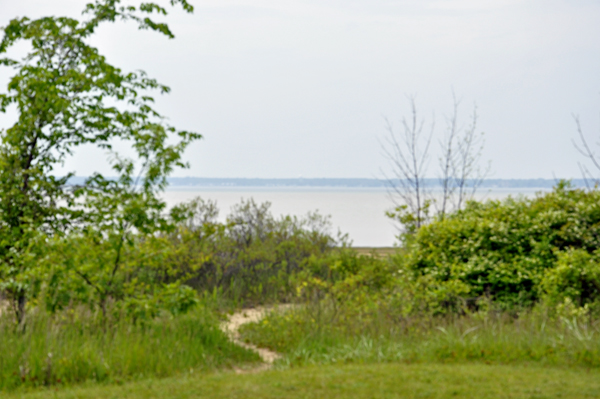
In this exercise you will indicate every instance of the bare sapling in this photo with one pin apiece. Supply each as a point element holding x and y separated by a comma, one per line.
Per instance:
<point>407,152</point>
<point>591,181</point>
<point>468,173</point>
<point>448,160</point>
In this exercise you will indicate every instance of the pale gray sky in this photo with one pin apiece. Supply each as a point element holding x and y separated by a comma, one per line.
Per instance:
<point>288,88</point>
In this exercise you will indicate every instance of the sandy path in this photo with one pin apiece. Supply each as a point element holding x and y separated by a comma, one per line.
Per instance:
<point>236,320</point>
<point>4,306</point>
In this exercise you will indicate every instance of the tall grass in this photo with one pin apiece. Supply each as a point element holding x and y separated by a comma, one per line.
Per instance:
<point>71,348</point>
<point>317,336</point>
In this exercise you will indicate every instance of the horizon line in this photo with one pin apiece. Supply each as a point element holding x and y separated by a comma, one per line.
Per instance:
<point>357,182</point>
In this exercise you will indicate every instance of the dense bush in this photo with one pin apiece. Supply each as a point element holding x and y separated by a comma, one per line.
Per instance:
<point>512,253</point>
<point>503,250</point>
<point>81,270</point>
<point>575,279</point>
<point>509,255</point>
<point>252,257</point>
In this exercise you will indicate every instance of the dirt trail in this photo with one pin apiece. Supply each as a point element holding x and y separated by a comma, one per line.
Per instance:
<point>4,306</point>
<point>236,320</point>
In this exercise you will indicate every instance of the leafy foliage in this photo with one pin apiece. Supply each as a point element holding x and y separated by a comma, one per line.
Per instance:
<point>252,257</point>
<point>575,279</point>
<point>503,249</point>
<point>67,95</point>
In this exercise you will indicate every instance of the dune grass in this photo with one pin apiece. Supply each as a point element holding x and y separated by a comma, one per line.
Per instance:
<point>308,336</point>
<point>391,380</point>
<point>188,357</point>
<point>69,349</point>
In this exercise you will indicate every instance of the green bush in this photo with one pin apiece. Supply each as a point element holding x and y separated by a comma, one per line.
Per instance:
<point>501,250</point>
<point>356,285</point>
<point>253,257</point>
<point>575,279</point>
<point>80,270</point>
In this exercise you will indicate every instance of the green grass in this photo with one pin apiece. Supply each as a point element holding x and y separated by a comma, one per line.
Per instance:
<point>355,381</point>
<point>477,356</point>
<point>70,348</point>
<point>311,336</point>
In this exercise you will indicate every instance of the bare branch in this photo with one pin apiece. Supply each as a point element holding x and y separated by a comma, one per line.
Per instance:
<point>407,152</point>
<point>587,152</point>
<point>447,161</point>
<point>469,176</point>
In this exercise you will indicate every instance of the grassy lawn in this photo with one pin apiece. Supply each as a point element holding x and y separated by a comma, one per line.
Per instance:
<point>356,381</point>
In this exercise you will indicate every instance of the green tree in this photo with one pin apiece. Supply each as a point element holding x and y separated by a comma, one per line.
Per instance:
<point>67,95</point>
<point>124,253</point>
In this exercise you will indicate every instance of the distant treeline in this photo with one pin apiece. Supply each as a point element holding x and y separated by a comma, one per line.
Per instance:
<point>365,183</point>
<point>347,182</point>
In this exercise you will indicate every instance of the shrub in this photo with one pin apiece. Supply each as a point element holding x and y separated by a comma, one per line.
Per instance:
<point>253,257</point>
<point>502,249</point>
<point>80,270</point>
<point>575,279</point>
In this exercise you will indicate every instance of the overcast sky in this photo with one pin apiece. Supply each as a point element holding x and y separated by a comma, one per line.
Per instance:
<point>289,88</point>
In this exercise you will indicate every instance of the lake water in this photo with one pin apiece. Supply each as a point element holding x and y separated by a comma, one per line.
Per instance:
<point>360,212</point>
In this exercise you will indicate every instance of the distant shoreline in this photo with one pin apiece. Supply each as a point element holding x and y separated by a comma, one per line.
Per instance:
<point>340,183</point>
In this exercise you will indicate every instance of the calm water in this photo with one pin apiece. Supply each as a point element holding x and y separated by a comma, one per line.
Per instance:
<point>356,211</point>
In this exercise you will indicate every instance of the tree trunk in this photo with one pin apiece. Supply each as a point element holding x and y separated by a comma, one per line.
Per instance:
<point>20,301</point>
